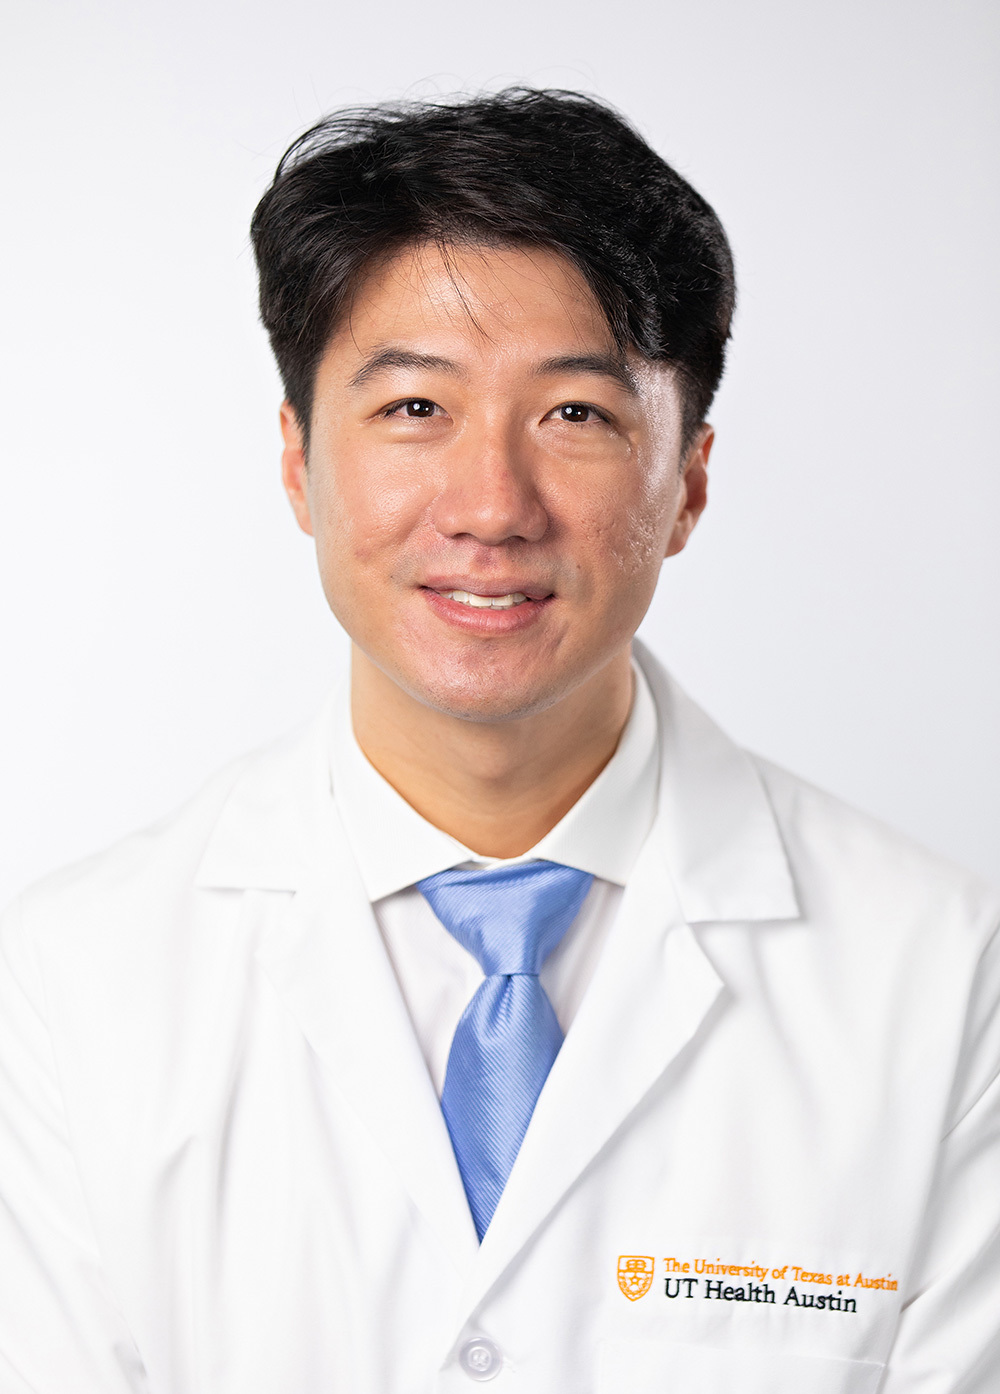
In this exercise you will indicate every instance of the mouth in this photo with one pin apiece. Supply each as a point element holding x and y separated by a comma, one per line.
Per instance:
<point>502,607</point>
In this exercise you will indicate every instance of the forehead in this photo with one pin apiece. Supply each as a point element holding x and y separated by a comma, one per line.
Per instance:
<point>487,300</point>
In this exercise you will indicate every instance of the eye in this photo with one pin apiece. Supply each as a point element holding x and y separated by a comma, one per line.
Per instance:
<point>413,407</point>
<point>578,413</point>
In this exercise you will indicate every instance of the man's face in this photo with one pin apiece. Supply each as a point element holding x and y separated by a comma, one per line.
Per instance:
<point>491,487</point>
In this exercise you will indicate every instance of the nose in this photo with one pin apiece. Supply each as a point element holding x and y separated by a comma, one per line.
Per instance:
<point>490,492</point>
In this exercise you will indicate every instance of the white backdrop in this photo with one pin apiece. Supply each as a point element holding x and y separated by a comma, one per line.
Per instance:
<point>839,608</point>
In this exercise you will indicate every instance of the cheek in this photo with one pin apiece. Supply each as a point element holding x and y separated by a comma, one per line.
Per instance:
<point>631,525</point>
<point>364,506</point>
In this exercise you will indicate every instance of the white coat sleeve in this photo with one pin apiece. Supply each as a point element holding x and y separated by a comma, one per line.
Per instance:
<point>60,1329</point>
<point>948,1339</point>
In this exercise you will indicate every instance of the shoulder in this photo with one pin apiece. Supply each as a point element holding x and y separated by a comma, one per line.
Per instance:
<point>750,841</point>
<point>144,877</point>
<point>173,838</point>
<point>164,850</point>
<point>844,859</point>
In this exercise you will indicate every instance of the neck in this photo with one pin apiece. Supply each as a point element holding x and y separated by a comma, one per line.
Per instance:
<point>497,787</point>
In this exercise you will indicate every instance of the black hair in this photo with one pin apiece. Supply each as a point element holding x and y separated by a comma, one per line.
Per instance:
<point>541,168</point>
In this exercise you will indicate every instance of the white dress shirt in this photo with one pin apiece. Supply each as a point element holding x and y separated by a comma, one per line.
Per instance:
<point>395,847</point>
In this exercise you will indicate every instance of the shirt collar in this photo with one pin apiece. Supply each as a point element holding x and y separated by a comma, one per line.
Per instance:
<point>269,819</point>
<point>602,833</point>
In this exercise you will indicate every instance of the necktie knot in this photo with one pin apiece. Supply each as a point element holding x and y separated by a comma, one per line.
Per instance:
<point>509,918</point>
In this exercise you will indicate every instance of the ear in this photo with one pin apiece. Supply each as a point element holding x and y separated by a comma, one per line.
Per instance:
<point>294,470</point>
<point>693,491</point>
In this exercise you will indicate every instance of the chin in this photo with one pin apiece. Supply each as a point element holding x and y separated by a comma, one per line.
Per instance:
<point>485,697</point>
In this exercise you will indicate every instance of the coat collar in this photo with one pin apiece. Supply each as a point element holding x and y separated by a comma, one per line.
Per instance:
<point>719,836</point>
<point>717,832</point>
<point>269,834</point>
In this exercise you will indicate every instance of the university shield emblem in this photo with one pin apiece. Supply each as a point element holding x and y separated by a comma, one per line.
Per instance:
<point>635,1275</point>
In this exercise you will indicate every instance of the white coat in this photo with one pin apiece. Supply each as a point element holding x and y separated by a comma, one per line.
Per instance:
<point>767,1158</point>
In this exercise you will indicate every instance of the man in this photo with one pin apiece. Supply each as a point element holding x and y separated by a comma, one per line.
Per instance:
<point>509,1023</point>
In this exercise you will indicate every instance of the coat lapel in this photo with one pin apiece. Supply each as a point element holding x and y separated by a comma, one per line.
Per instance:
<point>324,956</point>
<point>652,992</point>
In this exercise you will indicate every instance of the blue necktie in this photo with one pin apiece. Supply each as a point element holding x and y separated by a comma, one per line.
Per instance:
<point>504,1045</point>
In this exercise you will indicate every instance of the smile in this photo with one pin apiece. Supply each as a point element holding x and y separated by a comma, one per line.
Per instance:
<point>486,602</point>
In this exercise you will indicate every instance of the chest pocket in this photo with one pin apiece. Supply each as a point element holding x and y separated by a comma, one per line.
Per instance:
<point>663,1367</point>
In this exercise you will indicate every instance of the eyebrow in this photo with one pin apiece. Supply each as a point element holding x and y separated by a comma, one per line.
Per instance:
<point>383,359</point>
<point>606,365</point>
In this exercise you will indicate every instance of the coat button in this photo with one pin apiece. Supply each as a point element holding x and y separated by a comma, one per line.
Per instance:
<point>480,1358</point>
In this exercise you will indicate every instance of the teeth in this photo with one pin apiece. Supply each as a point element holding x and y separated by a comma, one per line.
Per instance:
<point>486,602</point>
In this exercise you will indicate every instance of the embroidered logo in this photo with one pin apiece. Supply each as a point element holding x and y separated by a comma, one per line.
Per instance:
<point>635,1275</point>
